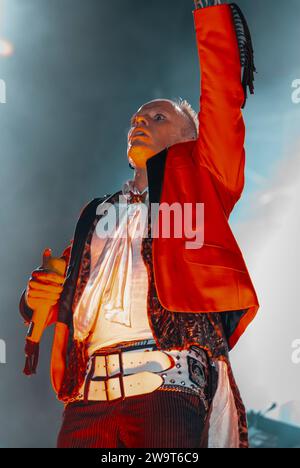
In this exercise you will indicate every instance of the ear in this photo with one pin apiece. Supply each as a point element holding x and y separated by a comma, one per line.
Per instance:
<point>188,133</point>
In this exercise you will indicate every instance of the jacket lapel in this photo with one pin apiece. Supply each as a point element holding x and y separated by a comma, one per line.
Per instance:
<point>155,171</point>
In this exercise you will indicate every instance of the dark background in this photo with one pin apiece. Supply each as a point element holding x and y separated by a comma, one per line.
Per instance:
<point>80,69</point>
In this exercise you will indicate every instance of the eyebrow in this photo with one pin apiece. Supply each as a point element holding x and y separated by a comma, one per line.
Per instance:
<point>151,108</point>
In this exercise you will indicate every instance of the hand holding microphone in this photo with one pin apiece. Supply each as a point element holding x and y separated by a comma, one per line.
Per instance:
<point>42,295</point>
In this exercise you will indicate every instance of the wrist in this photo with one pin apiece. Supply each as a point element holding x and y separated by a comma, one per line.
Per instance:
<point>207,3</point>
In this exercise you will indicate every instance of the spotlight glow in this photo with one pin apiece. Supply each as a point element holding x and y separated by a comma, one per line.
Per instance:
<point>6,48</point>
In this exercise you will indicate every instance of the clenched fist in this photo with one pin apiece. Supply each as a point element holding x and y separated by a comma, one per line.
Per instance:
<point>46,283</point>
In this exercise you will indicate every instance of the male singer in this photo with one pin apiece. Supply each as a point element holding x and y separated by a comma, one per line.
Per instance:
<point>145,323</point>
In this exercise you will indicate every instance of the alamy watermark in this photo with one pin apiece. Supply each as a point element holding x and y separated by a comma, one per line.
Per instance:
<point>187,224</point>
<point>296,351</point>
<point>296,92</point>
<point>2,352</point>
<point>2,92</point>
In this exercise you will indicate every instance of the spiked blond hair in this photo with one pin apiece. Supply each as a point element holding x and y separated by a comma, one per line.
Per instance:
<point>190,113</point>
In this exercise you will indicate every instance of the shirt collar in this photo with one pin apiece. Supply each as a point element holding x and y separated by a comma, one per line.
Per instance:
<point>129,185</point>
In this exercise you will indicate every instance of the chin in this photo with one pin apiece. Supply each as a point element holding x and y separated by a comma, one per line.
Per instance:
<point>140,153</point>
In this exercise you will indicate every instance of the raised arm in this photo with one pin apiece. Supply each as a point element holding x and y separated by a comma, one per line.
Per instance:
<point>224,48</point>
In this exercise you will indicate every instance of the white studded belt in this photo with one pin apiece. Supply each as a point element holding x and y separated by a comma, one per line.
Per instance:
<point>119,373</point>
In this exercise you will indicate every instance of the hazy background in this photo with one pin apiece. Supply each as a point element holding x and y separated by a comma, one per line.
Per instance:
<point>75,73</point>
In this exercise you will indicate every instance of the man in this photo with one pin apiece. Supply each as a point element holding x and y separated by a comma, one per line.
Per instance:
<point>143,323</point>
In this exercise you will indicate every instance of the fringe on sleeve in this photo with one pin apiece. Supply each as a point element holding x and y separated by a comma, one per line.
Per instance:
<point>246,50</point>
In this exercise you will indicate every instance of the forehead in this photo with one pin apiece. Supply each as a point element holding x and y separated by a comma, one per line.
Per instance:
<point>158,105</point>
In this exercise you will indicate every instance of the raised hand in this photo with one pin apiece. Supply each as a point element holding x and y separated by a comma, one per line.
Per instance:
<point>206,3</point>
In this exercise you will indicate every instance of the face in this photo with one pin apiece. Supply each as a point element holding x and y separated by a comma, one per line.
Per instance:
<point>156,125</point>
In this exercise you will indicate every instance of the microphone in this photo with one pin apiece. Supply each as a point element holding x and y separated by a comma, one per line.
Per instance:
<point>40,316</point>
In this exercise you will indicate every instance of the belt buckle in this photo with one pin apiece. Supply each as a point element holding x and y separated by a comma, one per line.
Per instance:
<point>119,375</point>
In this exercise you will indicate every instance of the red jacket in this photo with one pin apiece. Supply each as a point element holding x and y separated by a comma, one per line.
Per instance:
<point>213,278</point>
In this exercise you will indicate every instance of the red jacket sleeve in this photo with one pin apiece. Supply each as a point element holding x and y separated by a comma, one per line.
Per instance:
<point>220,145</point>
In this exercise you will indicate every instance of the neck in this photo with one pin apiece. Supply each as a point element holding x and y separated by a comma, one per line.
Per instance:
<point>141,178</point>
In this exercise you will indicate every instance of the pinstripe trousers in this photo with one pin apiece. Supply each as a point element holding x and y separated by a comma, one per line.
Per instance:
<point>161,419</point>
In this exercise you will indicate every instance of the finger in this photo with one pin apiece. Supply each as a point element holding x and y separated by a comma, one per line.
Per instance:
<point>36,303</point>
<point>45,287</point>
<point>43,295</point>
<point>49,277</point>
